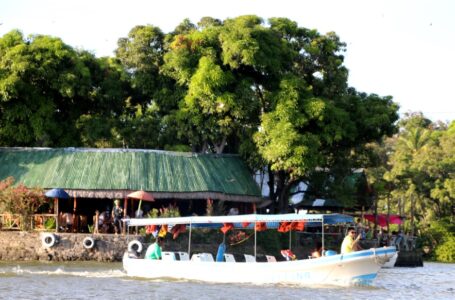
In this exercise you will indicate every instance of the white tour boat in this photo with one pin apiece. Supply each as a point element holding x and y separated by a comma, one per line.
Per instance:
<point>359,267</point>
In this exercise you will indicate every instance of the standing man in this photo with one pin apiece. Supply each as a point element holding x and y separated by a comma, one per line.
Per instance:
<point>349,243</point>
<point>117,214</point>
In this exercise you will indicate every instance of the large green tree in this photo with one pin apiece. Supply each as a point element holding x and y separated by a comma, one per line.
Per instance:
<point>46,87</point>
<point>422,167</point>
<point>281,90</point>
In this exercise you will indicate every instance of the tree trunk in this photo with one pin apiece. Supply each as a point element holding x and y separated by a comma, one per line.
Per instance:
<point>219,148</point>
<point>375,203</point>
<point>412,214</point>
<point>388,211</point>
<point>272,192</point>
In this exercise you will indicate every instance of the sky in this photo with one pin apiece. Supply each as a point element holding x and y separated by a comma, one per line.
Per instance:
<point>401,48</point>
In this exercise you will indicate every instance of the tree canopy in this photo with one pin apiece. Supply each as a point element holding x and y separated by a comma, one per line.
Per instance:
<point>272,91</point>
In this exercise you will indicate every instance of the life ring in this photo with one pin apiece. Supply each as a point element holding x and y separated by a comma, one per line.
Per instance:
<point>88,243</point>
<point>135,245</point>
<point>48,240</point>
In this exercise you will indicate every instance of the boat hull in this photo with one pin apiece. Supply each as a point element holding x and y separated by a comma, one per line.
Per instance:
<point>391,262</point>
<point>354,268</point>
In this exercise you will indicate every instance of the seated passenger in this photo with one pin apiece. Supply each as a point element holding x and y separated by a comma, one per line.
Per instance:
<point>317,251</point>
<point>104,221</point>
<point>154,250</point>
<point>288,254</point>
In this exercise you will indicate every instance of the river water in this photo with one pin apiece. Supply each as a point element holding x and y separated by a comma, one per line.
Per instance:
<point>85,280</point>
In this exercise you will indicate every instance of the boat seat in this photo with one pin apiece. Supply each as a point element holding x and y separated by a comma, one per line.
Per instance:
<point>229,257</point>
<point>168,256</point>
<point>182,256</point>
<point>270,258</point>
<point>208,257</point>
<point>249,258</point>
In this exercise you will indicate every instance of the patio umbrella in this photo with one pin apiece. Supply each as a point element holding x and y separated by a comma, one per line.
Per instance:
<point>57,193</point>
<point>141,195</point>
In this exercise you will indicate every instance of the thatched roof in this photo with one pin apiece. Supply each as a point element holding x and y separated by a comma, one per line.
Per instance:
<point>113,173</point>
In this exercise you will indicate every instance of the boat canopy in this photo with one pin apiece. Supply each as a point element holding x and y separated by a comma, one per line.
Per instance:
<point>271,220</point>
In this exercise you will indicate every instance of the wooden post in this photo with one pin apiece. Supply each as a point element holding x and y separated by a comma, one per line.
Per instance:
<point>125,207</point>
<point>125,210</point>
<point>75,223</point>
<point>56,213</point>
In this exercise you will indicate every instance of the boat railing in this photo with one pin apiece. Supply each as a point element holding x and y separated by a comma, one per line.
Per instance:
<point>10,221</point>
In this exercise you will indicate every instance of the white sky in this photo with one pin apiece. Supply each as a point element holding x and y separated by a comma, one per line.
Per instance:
<point>402,48</point>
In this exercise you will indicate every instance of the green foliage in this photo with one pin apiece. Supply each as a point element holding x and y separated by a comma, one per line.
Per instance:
<point>171,211</point>
<point>440,239</point>
<point>446,251</point>
<point>50,224</point>
<point>271,241</point>
<point>272,91</point>
<point>421,173</point>
<point>46,86</point>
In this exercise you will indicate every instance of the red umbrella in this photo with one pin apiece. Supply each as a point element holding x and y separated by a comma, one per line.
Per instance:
<point>141,195</point>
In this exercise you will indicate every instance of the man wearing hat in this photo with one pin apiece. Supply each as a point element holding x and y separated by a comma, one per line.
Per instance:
<point>117,214</point>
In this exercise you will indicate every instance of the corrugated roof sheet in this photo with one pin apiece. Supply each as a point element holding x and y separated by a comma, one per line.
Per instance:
<point>115,172</point>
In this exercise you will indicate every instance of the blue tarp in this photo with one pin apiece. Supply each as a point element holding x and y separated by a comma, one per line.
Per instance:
<point>331,219</point>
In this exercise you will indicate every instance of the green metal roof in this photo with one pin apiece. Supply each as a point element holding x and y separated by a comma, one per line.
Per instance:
<point>113,173</point>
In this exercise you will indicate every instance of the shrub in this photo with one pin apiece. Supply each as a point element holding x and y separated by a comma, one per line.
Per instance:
<point>440,238</point>
<point>446,251</point>
<point>20,200</point>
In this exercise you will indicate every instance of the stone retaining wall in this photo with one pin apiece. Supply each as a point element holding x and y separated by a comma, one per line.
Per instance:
<point>29,246</point>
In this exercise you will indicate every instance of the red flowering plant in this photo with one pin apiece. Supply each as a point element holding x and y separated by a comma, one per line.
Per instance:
<point>21,200</point>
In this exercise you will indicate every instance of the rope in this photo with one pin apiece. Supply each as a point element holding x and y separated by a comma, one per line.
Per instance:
<point>239,242</point>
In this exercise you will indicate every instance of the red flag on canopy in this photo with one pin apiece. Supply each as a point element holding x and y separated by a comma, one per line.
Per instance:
<point>163,231</point>
<point>226,227</point>
<point>177,229</point>
<point>261,226</point>
<point>284,227</point>
<point>149,229</point>
<point>298,226</point>
<point>245,224</point>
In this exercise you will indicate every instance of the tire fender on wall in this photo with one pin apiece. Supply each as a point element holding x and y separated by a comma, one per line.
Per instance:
<point>48,240</point>
<point>135,245</point>
<point>88,243</point>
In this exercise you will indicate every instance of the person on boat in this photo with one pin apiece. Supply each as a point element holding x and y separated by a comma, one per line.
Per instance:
<point>317,251</point>
<point>350,244</point>
<point>288,254</point>
<point>154,250</point>
<point>117,214</point>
